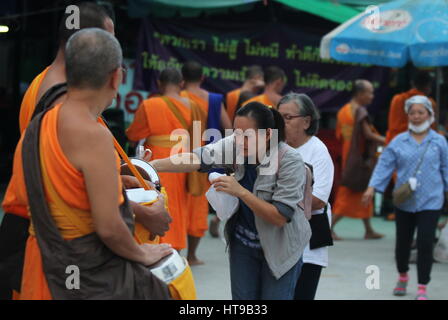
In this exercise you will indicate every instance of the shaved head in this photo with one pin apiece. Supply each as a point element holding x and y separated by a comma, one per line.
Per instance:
<point>363,92</point>
<point>254,72</point>
<point>192,71</point>
<point>91,15</point>
<point>170,76</point>
<point>91,55</point>
<point>360,85</point>
<point>273,73</point>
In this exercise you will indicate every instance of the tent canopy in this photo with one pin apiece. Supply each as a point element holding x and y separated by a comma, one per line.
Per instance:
<point>337,11</point>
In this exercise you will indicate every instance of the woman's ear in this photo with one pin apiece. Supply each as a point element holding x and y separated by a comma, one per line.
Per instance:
<point>307,122</point>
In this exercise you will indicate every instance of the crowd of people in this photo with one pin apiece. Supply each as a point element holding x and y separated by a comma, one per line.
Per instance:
<point>66,205</point>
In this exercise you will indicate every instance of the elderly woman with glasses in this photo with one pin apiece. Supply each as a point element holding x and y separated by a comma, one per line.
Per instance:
<point>420,159</point>
<point>301,125</point>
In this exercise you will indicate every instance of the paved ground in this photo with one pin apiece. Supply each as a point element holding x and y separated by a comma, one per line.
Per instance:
<point>345,277</point>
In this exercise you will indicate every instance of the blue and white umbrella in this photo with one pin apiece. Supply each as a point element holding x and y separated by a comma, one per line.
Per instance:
<point>393,34</point>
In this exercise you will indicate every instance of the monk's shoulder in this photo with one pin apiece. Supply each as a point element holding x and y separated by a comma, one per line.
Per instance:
<point>342,110</point>
<point>89,136</point>
<point>154,103</point>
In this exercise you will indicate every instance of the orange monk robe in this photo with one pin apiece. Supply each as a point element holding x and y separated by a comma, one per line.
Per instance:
<point>30,100</point>
<point>232,99</point>
<point>197,205</point>
<point>398,119</point>
<point>11,203</point>
<point>155,122</point>
<point>70,186</point>
<point>263,98</point>
<point>348,203</point>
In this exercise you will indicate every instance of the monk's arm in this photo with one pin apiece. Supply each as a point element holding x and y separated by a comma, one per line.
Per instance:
<point>370,134</point>
<point>183,162</point>
<point>101,178</point>
<point>225,120</point>
<point>139,128</point>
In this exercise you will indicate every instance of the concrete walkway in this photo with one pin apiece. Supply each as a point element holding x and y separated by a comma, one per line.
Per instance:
<point>344,279</point>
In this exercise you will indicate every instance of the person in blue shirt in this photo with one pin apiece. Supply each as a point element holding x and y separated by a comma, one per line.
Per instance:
<point>420,144</point>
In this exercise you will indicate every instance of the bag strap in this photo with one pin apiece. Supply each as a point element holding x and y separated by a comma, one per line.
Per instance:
<point>421,158</point>
<point>49,97</point>
<point>126,159</point>
<point>176,112</point>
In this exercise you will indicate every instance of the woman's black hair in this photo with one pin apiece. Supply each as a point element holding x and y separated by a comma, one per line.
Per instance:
<point>265,117</point>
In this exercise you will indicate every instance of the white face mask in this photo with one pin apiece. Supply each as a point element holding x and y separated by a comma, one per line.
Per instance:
<point>420,128</point>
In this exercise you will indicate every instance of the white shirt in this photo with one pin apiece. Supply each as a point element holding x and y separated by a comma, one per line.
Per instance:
<point>315,153</point>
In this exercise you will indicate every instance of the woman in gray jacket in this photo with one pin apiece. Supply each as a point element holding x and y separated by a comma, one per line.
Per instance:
<point>268,233</point>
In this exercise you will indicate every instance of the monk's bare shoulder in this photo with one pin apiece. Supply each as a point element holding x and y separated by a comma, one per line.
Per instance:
<point>85,142</point>
<point>51,79</point>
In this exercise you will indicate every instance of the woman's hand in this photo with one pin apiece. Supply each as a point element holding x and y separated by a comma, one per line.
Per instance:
<point>228,184</point>
<point>367,197</point>
<point>131,182</point>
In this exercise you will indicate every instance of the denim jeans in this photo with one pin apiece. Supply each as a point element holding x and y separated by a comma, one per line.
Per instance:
<point>251,278</point>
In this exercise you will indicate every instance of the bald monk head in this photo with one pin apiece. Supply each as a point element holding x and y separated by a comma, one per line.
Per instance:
<point>253,81</point>
<point>362,92</point>
<point>275,79</point>
<point>93,59</point>
<point>192,72</point>
<point>170,79</point>
<point>91,15</point>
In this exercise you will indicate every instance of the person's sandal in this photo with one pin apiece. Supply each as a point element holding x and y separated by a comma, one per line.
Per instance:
<point>400,289</point>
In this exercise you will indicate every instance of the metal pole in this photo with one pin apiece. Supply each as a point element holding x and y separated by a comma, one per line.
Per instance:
<point>438,82</point>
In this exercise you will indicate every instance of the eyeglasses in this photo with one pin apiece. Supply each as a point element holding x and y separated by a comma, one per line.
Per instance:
<point>124,70</point>
<point>290,117</point>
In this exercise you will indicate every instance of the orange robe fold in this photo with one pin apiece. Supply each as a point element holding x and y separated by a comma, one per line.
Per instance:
<point>153,120</point>
<point>232,98</point>
<point>263,98</point>
<point>11,203</point>
<point>197,205</point>
<point>70,187</point>
<point>398,119</point>
<point>348,203</point>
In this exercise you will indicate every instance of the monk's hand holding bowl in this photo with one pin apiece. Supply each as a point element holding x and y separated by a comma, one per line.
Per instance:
<point>229,185</point>
<point>367,197</point>
<point>154,252</point>
<point>154,218</point>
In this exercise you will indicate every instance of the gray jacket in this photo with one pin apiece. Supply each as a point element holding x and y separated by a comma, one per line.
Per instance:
<point>282,183</point>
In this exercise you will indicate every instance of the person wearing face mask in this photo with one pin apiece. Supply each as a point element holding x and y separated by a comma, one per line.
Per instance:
<point>420,157</point>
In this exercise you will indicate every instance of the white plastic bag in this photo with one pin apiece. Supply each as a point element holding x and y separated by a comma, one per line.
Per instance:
<point>441,248</point>
<point>224,204</point>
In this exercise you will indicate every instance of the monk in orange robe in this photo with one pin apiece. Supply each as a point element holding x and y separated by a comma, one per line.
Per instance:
<point>275,80</point>
<point>155,120</point>
<point>253,83</point>
<point>16,213</point>
<point>398,119</point>
<point>80,169</point>
<point>197,205</point>
<point>348,202</point>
